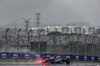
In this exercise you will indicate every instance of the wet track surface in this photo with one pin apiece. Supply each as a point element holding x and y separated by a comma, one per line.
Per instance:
<point>48,64</point>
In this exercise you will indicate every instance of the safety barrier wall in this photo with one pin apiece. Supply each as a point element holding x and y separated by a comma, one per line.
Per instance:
<point>76,57</point>
<point>20,56</point>
<point>34,56</point>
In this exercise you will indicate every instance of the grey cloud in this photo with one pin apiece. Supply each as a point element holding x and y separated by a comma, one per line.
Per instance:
<point>57,11</point>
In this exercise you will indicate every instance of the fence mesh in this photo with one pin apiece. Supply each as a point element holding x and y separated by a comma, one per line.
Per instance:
<point>56,44</point>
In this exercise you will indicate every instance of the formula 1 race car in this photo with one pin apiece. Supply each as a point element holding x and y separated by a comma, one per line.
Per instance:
<point>57,59</point>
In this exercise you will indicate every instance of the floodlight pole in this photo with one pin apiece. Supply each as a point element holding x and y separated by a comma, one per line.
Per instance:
<point>6,39</point>
<point>6,35</point>
<point>18,35</point>
<point>39,31</point>
<point>78,44</point>
<point>29,35</point>
<point>85,44</point>
<point>92,44</point>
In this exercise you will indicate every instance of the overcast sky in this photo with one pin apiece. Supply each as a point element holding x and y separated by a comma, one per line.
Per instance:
<point>52,11</point>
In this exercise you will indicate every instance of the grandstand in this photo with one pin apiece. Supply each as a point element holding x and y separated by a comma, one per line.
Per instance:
<point>65,29</point>
<point>53,41</point>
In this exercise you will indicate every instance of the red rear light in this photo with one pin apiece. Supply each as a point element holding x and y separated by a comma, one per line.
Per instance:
<point>42,61</point>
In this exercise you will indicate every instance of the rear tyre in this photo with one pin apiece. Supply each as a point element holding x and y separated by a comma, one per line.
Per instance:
<point>62,62</point>
<point>52,61</point>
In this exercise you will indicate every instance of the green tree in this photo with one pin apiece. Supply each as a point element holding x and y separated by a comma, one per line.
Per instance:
<point>55,33</point>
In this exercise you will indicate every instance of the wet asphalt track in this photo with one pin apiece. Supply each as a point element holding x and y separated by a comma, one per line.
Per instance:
<point>47,64</point>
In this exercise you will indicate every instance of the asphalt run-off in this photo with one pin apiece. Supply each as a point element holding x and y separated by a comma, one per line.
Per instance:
<point>47,64</point>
